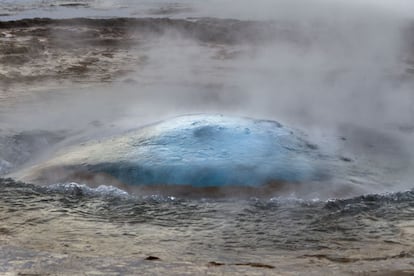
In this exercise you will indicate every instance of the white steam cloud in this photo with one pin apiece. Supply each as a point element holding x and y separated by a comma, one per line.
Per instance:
<point>345,70</point>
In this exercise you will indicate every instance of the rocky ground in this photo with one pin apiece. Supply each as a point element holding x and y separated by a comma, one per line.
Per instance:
<point>38,51</point>
<point>45,54</point>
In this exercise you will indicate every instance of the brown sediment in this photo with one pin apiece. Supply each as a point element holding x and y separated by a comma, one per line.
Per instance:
<point>205,29</point>
<point>189,191</point>
<point>256,265</point>
<point>95,179</point>
<point>94,50</point>
<point>38,51</point>
<point>259,265</point>
<point>269,189</point>
<point>342,259</point>
<point>215,264</point>
<point>402,272</point>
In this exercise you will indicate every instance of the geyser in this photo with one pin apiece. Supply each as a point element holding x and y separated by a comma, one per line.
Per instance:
<point>196,150</point>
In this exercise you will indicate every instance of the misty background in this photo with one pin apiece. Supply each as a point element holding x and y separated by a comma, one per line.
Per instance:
<point>341,71</point>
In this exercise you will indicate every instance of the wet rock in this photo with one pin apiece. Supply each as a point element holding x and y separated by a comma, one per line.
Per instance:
<point>259,265</point>
<point>215,264</point>
<point>152,258</point>
<point>74,4</point>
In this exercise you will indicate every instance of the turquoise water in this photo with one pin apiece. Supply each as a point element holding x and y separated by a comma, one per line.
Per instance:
<point>202,151</point>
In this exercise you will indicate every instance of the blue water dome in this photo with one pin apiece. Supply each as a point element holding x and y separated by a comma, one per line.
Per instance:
<point>198,150</point>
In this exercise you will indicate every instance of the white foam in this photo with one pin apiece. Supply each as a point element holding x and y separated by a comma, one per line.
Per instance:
<point>82,189</point>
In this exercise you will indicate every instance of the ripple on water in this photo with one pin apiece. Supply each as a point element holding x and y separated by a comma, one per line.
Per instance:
<point>104,222</point>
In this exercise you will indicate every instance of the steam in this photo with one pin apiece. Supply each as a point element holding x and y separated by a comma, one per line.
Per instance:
<point>344,70</point>
<point>304,10</point>
<point>346,65</point>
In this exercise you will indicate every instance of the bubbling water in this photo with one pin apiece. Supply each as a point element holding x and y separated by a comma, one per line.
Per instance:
<point>196,150</point>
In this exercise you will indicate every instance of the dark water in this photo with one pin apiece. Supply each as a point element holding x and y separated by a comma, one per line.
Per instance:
<point>62,221</point>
